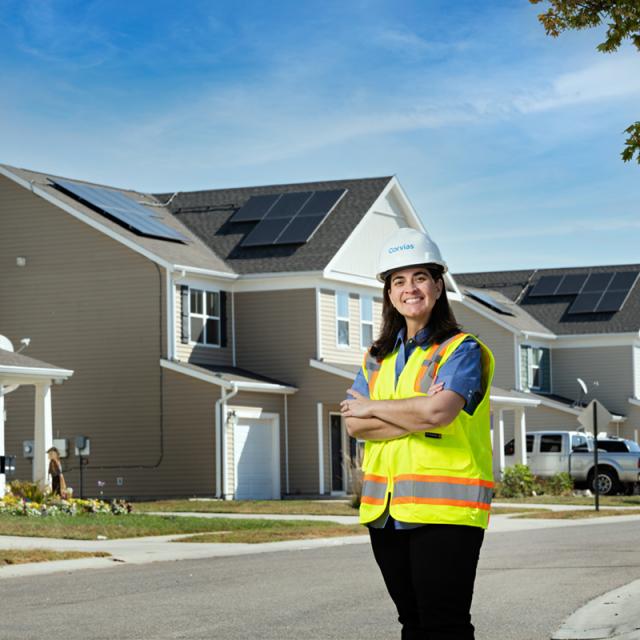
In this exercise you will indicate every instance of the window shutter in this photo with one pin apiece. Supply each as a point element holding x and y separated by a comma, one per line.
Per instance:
<point>184,314</point>
<point>223,318</point>
<point>545,370</point>
<point>524,367</point>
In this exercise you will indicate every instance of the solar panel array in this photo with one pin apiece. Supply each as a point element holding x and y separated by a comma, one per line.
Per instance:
<point>595,292</point>
<point>286,218</point>
<point>121,208</point>
<point>490,301</point>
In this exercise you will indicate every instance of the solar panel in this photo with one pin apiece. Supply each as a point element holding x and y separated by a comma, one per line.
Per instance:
<point>321,202</point>
<point>597,282</point>
<point>255,208</point>
<point>265,232</point>
<point>623,280</point>
<point>288,205</point>
<point>490,301</point>
<point>293,218</point>
<point>612,301</point>
<point>546,286</point>
<point>571,284</point>
<point>300,230</point>
<point>585,303</point>
<point>125,210</point>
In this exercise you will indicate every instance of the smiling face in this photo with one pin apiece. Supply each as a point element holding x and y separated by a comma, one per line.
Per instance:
<point>413,292</point>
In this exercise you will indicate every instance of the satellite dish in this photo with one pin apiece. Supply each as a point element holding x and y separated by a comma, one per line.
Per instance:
<point>583,385</point>
<point>5,343</point>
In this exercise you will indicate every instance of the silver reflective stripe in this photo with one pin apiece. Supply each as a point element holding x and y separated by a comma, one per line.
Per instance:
<point>374,489</point>
<point>446,490</point>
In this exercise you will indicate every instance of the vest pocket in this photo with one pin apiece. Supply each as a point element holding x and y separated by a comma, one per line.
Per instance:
<point>442,454</point>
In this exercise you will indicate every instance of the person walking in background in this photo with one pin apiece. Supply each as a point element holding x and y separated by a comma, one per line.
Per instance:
<point>421,403</point>
<point>58,486</point>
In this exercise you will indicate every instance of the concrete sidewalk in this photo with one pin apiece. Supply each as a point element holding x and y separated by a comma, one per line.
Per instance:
<point>161,548</point>
<point>614,615</point>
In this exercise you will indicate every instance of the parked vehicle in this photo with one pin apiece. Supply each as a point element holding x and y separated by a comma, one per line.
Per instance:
<point>550,452</point>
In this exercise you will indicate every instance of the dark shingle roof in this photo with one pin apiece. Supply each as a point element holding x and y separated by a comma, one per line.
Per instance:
<point>207,214</point>
<point>551,311</point>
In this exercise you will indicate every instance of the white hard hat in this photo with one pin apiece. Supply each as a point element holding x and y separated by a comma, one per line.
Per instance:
<point>405,248</point>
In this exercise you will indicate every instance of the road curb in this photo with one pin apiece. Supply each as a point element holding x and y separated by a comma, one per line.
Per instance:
<point>614,615</point>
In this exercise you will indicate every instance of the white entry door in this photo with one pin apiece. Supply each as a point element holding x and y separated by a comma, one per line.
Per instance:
<point>257,459</point>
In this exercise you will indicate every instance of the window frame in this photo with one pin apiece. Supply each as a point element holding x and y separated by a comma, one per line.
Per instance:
<point>364,322</point>
<point>340,319</point>
<point>205,316</point>
<point>527,352</point>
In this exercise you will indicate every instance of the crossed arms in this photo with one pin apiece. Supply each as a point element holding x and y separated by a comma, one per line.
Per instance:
<point>389,419</point>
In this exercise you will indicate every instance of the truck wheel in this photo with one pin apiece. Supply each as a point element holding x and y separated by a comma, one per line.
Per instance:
<point>607,482</point>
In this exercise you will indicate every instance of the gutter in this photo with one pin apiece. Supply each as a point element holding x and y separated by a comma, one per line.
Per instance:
<point>221,475</point>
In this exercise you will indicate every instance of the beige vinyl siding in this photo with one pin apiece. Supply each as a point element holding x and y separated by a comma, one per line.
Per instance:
<point>276,338</point>
<point>330,350</point>
<point>636,372</point>
<point>497,338</point>
<point>611,367</point>
<point>199,354</point>
<point>537,419</point>
<point>91,305</point>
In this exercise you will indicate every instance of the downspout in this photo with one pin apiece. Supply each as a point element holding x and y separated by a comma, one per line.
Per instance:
<point>286,444</point>
<point>221,476</point>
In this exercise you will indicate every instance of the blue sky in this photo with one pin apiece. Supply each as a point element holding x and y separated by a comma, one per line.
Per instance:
<point>506,141</point>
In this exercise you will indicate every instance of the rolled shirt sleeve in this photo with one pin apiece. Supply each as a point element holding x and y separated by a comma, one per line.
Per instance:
<point>361,385</point>
<point>462,373</point>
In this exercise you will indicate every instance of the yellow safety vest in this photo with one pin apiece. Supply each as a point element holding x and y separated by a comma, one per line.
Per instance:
<point>441,476</point>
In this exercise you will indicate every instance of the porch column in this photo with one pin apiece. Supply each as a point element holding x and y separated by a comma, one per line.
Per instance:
<point>43,436</point>
<point>498,446</point>
<point>320,448</point>
<point>2,475</point>
<point>521,436</point>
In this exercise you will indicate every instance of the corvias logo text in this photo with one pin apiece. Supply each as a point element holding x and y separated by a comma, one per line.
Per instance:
<point>401,247</point>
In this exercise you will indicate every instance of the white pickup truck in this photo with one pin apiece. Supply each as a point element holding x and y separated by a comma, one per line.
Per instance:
<point>550,452</point>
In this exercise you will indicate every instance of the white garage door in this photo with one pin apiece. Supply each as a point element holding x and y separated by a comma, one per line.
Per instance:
<point>257,460</point>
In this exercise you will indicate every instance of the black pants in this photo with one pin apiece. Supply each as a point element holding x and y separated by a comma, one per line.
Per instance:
<point>429,572</point>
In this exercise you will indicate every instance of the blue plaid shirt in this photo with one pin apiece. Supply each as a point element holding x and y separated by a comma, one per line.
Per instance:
<point>462,373</point>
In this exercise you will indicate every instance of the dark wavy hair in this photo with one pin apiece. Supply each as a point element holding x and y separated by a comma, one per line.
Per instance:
<point>442,322</point>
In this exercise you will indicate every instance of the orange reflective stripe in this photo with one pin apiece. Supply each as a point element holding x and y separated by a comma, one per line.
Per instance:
<point>449,502</point>
<point>417,477</point>
<point>370,500</point>
<point>370,477</point>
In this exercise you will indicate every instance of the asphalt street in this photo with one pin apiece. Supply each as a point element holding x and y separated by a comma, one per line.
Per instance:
<point>528,583</point>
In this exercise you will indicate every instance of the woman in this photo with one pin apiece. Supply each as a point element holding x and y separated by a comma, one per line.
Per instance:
<point>58,486</point>
<point>421,403</point>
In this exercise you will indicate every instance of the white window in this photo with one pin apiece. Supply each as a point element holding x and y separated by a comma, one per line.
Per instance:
<point>342,318</point>
<point>366,321</point>
<point>204,317</point>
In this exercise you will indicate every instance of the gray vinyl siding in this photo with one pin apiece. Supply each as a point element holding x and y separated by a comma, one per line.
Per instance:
<point>537,419</point>
<point>611,367</point>
<point>276,337</point>
<point>498,339</point>
<point>92,305</point>
<point>199,354</point>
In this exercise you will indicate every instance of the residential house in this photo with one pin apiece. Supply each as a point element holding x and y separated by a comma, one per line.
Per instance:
<point>213,334</point>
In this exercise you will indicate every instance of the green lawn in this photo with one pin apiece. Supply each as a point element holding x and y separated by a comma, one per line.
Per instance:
<point>90,526</point>
<point>299,507</point>
<point>607,501</point>
<point>576,515</point>
<point>22,556</point>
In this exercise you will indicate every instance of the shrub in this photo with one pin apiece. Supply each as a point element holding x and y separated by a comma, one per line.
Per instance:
<point>561,484</point>
<point>517,482</point>
<point>30,491</point>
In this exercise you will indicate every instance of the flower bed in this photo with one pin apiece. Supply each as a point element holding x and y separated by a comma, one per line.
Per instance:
<point>51,506</point>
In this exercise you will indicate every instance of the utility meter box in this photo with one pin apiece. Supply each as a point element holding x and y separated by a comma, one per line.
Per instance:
<point>83,446</point>
<point>61,444</point>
